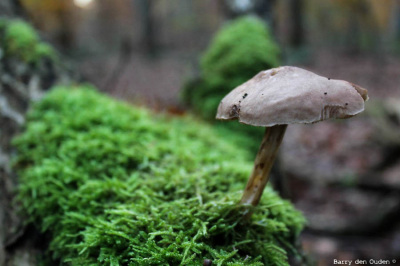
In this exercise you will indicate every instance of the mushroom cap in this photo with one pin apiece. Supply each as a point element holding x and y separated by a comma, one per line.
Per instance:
<point>290,95</point>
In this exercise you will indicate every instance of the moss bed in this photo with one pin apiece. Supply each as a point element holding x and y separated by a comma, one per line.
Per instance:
<point>239,51</point>
<point>20,41</point>
<point>114,184</point>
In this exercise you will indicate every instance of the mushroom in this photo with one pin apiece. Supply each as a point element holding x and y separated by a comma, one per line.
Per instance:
<point>281,96</point>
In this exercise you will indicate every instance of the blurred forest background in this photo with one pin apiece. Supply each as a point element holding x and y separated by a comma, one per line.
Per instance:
<point>159,42</point>
<point>344,175</point>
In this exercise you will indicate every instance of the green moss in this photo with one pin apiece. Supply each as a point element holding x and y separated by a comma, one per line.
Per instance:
<point>238,52</point>
<point>22,42</point>
<point>117,185</point>
<point>44,50</point>
<point>2,23</point>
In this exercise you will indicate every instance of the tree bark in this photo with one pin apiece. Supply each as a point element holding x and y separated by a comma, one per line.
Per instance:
<point>148,32</point>
<point>11,8</point>
<point>297,33</point>
<point>20,84</point>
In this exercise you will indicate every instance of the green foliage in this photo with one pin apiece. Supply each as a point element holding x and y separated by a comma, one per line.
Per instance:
<point>44,50</point>
<point>21,41</point>
<point>2,23</point>
<point>238,52</point>
<point>117,185</point>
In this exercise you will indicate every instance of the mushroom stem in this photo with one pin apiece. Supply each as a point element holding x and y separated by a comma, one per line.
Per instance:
<point>263,163</point>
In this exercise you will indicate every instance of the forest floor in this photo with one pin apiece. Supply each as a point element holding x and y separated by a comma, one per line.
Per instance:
<point>344,176</point>
<point>337,172</point>
<point>157,81</point>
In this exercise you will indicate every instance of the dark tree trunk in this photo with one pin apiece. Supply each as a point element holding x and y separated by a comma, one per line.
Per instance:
<point>297,33</point>
<point>11,8</point>
<point>398,21</point>
<point>9,127</point>
<point>20,84</point>
<point>148,32</point>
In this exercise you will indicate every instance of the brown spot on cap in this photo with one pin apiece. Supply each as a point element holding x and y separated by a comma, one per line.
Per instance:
<point>234,112</point>
<point>363,92</point>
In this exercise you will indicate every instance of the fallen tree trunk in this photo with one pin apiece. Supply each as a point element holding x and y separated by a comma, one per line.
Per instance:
<point>26,72</point>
